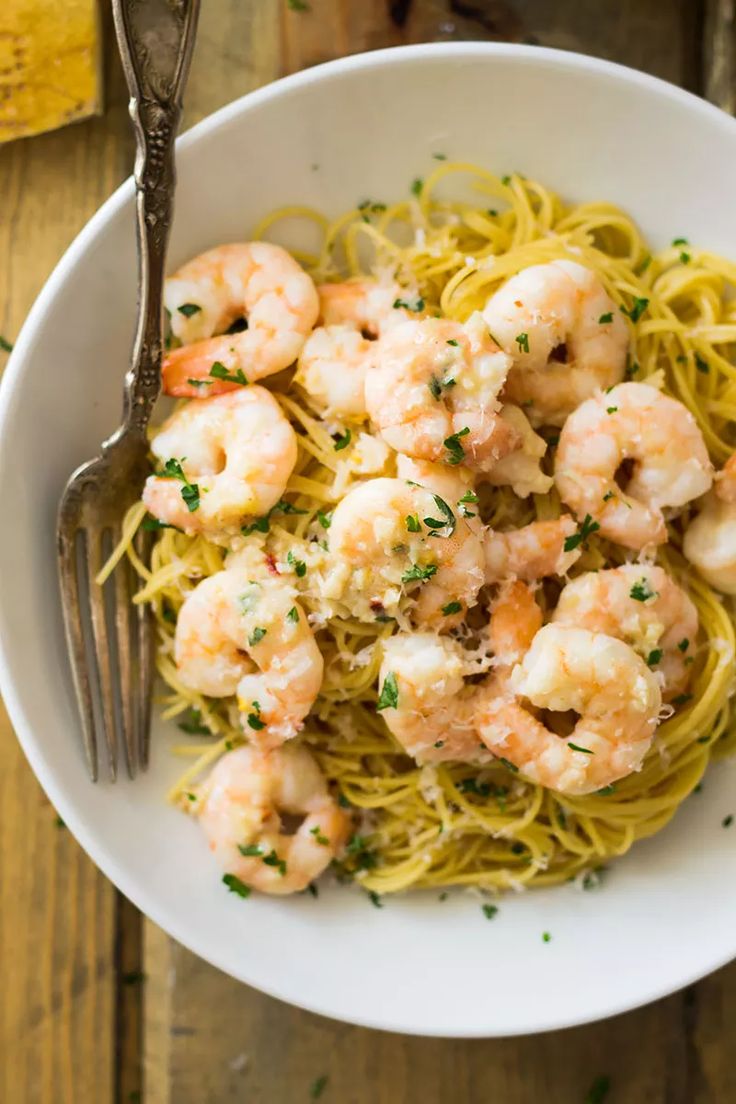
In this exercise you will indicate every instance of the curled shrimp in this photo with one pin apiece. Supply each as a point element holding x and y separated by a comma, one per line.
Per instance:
<point>710,538</point>
<point>225,459</point>
<point>604,681</point>
<point>335,358</point>
<point>242,632</point>
<point>389,538</point>
<point>565,333</point>
<point>531,552</point>
<point>241,805</point>
<point>426,703</point>
<point>653,432</point>
<point>431,391</point>
<point>643,606</point>
<point>257,281</point>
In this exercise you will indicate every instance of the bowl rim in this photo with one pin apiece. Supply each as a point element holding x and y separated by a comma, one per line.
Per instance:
<point>32,747</point>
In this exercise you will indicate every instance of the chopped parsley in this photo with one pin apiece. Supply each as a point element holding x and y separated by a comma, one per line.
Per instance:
<point>439,744</point>
<point>506,180</point>
<point>576,747</point>
<point>598,1091</point>
<point>5,345</point>
<point>312,890</point>
<point>608,496</point>
<point>683,645</point>
<point>642,591</point>
<point>701,365</point>
<point>192,724</point>
<point>508,764</point>
<point>587,528</point>
<point>293,615</point>
<point>152,524</point>
<point>418,573</point>
<point>416,186</point>
<point>263,524</point>
<point>453,446</point>
<point>435,388</point>
<point>546,937</point>
<point>257,636</point>
<point>489,911</point>
<point>250,850</point>
<point>234,884</point>
<point>59,823</point>
<point>325,520</point>
<point>343,440</point>
<point>375,899</point>
<point>389,696</point>
<point>254,718</point>
<point>272,859</point>
<point>522,340</point>
<point>606,790</point>
<point>358,849</point>
<point>611,409</point>
<point>643,264</point>
<point>413,524</point>
<point>682,699</point>
<point>219,371</point>
<point>190,796</point>
<point>468,498</point>
<point>298,5</point>
<point>300,568</point>
<point>188,309</point>
<point>452,607</point>
<point>321,839</point>
<point>684,257</point>
<point>727,821</point>
<point>318,1086</point>
<point>654,657</point>
<point>680,241</point>
<point>605,318</point>
<point>452,341</point>
<point>636,310</point>
<point>440,156</point>
<point>406,305</point>
<point>172,469</point>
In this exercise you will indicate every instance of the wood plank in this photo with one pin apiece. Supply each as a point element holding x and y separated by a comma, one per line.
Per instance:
<point>719,54</point>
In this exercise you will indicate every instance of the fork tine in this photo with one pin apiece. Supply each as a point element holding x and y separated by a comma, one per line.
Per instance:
<point>93,542</point>
<point>129,689</point>
<point>143,542</point>
<point>72,610</point>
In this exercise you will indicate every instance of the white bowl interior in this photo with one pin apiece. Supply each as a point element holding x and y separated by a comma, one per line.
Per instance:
<point>364,127</point>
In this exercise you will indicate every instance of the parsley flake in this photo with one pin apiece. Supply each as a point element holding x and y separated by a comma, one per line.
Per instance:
<point>682,699</point>
<point>343,440</point>
<point>254,718</point>
<point>452,607</point>
<point>404,304</point>
<point>418,573</point>
<point>300,568</point>
<point>219,371</point>
<point>257,636</point>
<point>250,850</point>
<point>489,911</point>
<point>642,591</point>
<point>683,645</point>
<point>325,520</point>
<point>636,310</point>
<point>234,884</point>
<point>435,388</point>
<point>318,1086</point>
<point>452,341</point>
<point>587,528</point>
<point>172,469</point>
<point>293,615</point>
<point>453,446</point>
<point>321,839</point>
<point>440,156</point>
<point>608,496</point>
<point>680,241</point>
<point>389,696</point>
<point>522,340</point>
<point>272,859</point>
<point>606,790</point>
<point>298,5</point>
<point>727,821</point>
<point>192,724</point>
<point>546,937</point>
<point>508,764</point>
<point>576,747</point>
<point>605,318</point>
<point>413,524</point>
<point>611,409</point>
<point>188,309</point>
<point>654,657</point>
<point>5,345</point>
<point>701,365</point>
<point>416,186</point>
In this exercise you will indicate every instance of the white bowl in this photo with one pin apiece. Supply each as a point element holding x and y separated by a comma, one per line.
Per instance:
<point>363,127</point>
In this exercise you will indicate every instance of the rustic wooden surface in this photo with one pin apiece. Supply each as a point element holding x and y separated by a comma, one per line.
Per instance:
<point>98,1006</point>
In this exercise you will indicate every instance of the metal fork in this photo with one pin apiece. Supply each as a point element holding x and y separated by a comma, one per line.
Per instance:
<point>109,638</point>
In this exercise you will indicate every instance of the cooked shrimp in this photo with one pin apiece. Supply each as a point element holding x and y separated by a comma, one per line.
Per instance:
<point>335,358</point>
<point>635,423</point>
<point>521,469</point>
<point>246,635</point>
<point>432,390</point>
<point>241,804</point>
<point>453,484</point>
<point>643,606</point>
<point>257,281</point>
<point>228,457</point>
<point>532,552</point>
<point>433,717</point>
<point>565,333</point>
<point>388,538</point>
<point>604,681</point>
<point>710,539</point>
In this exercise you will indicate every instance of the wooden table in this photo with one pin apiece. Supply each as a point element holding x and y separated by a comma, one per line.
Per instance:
<point>97,1005</point>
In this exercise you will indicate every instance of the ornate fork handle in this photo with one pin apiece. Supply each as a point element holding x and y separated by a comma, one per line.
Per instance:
<point>155,39</point>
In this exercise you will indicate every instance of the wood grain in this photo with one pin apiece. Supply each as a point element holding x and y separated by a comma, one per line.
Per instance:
<point>76,1016</point>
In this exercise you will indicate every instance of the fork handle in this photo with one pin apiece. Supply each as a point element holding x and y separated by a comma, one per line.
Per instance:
<point>155,39</point>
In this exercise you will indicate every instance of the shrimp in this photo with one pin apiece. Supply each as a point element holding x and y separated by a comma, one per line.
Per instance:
<point>604,681</point>
<point>521,469</point>
<point>710,538</point>
<point>388,538</point>
<point>433,710</point>
<point>257,281</point>
<point>335,358</point>
<point>532,552</point>
<point>643,606</point>
<point>242,632</point>
<point>432,389</point>
<point>565,333</point>
<point>636,423</point>
<point>240,807</point>
<point>226,458</point>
